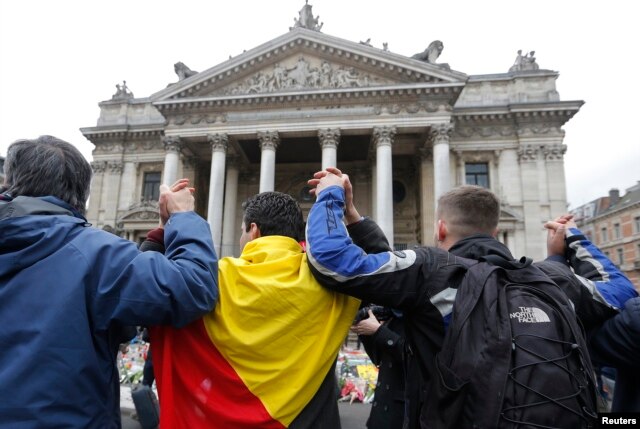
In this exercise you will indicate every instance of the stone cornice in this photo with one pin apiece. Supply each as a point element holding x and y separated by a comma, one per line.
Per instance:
<point>515,119</point>
<point>447,91</point>
<point>100,134</point>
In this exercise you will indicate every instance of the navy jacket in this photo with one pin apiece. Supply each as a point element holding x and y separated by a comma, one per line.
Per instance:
<point>66,292</point>
<point>617,344</point>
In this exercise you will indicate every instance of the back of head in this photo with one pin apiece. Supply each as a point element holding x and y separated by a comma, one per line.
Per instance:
<point>274,213</point>
<point>48,166</point>
<point>469,210</point>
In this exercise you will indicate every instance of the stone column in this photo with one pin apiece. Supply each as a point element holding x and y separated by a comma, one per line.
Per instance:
<point>554,157</point>
<point>427,202</point>
<point>172,147</point>
<point>219,143</point>
<point>229,227</point>
<point>97,181</point>
<point>269,141</point>
<point>440,134</point>
<point>494,173</point>
<point>460,164</point>
<point>528,155</point>
<point>383,140</point>
<point>329,141</point>
<point>128,185</point>
<point>112,192</point>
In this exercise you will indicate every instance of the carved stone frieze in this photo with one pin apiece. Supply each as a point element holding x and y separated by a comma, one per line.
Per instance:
<point>383,136</point>
<point>198,118</point>
<point>99,167</point>
<point>537,129</point>
<point>301,76</point>
<point>528,153</point>
<point>115,167</point>
<point>172,144</point>
<point>485,131</point>
<point>548,152</point>
<point>144,204</point>
<point>268,139</point>
<point>152,144</point>
<point>421,106</point>
<point>107,147</point>
<point>554,152</point>
<point>218,142</point>
<point>329,137</point>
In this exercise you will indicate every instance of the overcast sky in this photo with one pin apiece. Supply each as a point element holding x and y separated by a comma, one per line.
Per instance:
<point>58,59</point>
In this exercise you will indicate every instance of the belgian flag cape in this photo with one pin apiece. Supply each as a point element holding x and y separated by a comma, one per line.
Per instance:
<point>262,354</point>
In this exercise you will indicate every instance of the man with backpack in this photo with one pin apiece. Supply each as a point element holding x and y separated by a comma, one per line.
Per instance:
<point>513,353</point>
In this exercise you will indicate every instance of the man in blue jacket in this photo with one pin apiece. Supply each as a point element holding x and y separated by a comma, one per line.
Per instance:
<point>67,290</point>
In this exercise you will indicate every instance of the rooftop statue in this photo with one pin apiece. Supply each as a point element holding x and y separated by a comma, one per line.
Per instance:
<point>306,19</point>
<point>431,54</point>
<point>524,63</point>
<point>122,92</point>
<point>183,71</point>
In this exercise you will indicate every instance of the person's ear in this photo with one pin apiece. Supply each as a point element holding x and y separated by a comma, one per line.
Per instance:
<point>442,230</point>
<point>495,232</point>
<point>254,231</point>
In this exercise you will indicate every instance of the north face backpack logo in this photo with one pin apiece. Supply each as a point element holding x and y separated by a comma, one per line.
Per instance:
<point>530,315</point>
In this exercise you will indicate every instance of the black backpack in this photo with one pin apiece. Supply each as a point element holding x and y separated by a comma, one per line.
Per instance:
<point>514,355</point>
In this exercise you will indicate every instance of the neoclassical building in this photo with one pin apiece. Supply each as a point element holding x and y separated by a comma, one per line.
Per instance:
<point>406,129</point>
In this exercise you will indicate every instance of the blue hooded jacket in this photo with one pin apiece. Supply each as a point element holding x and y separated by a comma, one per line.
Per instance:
<point>67,291</point>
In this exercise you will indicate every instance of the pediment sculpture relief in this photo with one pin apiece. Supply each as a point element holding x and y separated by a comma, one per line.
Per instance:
<point>302,76</point>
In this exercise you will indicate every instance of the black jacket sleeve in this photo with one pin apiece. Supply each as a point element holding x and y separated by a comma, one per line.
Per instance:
<point>617,342</point>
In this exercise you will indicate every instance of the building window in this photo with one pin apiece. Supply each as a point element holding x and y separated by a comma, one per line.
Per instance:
<point>637,223</point>
<point>477,173</point>
<point>604,235</point>
<point>616,230</point>
<point>399,192</point>
<point>620,256</point>
<point>151,186</point>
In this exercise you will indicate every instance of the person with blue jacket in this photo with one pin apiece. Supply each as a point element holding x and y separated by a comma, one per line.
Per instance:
<point>349,253</point>
<point>67,290</point>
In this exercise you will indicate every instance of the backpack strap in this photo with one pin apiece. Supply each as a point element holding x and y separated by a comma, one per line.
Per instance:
<point>507,264</point>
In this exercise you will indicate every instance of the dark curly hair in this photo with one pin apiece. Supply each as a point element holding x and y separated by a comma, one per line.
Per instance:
<point>274,213</point>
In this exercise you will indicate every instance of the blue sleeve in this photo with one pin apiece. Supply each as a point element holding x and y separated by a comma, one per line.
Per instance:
<point>149,288</point>
<point>394,279</point>
<point>597,272</point>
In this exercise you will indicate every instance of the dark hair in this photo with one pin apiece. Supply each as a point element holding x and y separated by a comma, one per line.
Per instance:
<point>48,166</point>
<point>274,213</point>
<point>469,210</point>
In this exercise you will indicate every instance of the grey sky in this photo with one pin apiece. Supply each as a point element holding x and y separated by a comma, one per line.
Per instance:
<point>59,59</point>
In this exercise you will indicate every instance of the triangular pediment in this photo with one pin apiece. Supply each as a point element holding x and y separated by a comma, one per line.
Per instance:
<point>305,60</point>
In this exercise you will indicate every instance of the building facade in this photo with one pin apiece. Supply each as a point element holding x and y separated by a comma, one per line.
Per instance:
<point>613,224</point>
<point>406,129</point>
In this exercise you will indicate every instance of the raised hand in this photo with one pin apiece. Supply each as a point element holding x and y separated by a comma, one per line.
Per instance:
<point>178,198</point>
